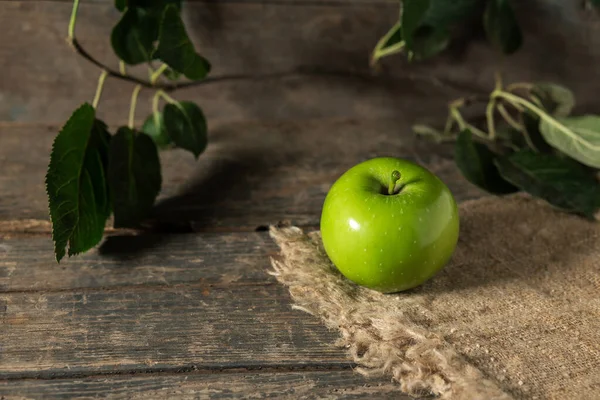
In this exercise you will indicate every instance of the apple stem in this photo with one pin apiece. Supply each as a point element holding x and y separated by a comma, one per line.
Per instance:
<point>392,185</point>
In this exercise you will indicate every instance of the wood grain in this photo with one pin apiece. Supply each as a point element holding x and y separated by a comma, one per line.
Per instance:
<point>253,173</point>
<point>27,264</point>
<point>281,385</point>
<point>79,333</point>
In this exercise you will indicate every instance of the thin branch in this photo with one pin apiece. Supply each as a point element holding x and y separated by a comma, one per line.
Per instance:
<point>169,87</point>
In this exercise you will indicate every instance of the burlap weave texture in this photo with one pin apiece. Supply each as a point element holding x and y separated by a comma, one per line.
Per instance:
<point>515,314</point>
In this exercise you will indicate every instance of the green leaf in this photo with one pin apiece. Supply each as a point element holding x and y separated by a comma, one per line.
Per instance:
<point>577,137</point>
<point>155,128</point>
<point>133,37</point>
<point>175,48</point>
<point>502,27</point>
<point>76,184</point>
<point>534,137</point>
<point>560,181</point>
<point>171,74</point>
<point>444,13</point>
<point>121,5</point>
<point>413,12</point>
<point>424,38</point>
<point>389,44</point>
<point>557,100</point>
<point>429,41</point>
<point>186,126</point>
<point>133,175</point>
<point>476,162</point>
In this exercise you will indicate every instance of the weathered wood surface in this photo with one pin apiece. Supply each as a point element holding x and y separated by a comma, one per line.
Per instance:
<point>252,174</point>
<point>202,303</point>
<point>43,80</point>
<point>280,385</point>
<point>87,332</point>
<point>129,262</point>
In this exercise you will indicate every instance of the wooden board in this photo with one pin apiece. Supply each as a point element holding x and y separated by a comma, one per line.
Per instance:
<point>281,385</point>
<point>44,81</point>
<point>171,328</point>
<point>163,315</point>
<point>129,262</point>
<point>253,173</point>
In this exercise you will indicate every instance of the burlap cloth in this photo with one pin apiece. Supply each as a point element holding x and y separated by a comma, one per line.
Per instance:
<point>515,314</point>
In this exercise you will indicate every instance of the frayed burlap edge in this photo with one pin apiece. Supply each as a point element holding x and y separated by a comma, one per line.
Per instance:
<point>380,339</point>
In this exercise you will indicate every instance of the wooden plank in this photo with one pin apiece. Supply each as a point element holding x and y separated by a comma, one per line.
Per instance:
<point>252,174</point>
<point>27,264</point>
<point>281,385</point>
<point>340,3</point>
<point>313,36</point>
<point>51,335</point>
<point>294,37</point>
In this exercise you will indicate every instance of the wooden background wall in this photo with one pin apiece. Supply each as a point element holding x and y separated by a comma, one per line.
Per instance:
<point>42,80</point>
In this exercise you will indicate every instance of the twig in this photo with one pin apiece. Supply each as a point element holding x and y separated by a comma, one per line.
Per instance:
<point>169,87</point>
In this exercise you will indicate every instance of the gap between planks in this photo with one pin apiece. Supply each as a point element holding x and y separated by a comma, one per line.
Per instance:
<point>24,228</point>
<point>184,369</point>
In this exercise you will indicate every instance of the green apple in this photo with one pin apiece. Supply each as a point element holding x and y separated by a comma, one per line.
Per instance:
<point>389,224</point>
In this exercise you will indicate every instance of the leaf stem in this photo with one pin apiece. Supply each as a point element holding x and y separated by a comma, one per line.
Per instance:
<point>157,74</point>
<point>155,111</point>
<point>449,124</point>
<point>462,124</point>
<point>155,101</point>
<point>516,101</point>
<point>508,118</point>
<point>99,88</point>
<point>122,69</point>
<point>166,96</point>
<point>395,48</point>
<point>73,20</point>
<point>498,79</point>
<point>392,185</point>
<point>489,115</point>
<point>528,138</point>
<point>539,112</point>
<point>133,105</point>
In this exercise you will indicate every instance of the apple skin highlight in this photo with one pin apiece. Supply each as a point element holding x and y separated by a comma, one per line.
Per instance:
<point>389,242</point>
